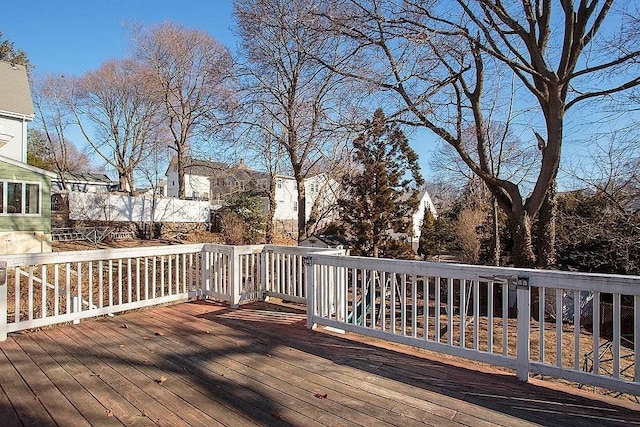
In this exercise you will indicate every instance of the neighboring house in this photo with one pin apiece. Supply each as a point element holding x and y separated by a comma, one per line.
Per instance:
<point>78,182</point>
<point>84,183</point>
<point>25,191</point>
<point>418,216</point>
<point>197,177</point>
<point>319,189</point>
<point>16,111</point>
<point>216,181</point>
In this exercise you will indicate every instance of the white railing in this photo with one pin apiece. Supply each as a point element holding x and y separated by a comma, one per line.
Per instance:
<point>579,327</point>
<point>506,317</point>
<point>284,272</point>
<point>50,288</point>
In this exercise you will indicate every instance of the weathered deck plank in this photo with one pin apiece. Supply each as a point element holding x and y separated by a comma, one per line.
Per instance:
<point>263,368</point>
<point>262,397</point>
<point>117,383</point>
<point>301,370</point>
<point>259,365</point>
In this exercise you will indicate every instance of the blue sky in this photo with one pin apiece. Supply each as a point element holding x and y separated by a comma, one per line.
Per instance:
<point>72,36</point>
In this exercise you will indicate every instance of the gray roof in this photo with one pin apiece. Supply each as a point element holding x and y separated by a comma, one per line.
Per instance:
<point>85,177</point>
<point>15,95</point>
<point>198,167</point>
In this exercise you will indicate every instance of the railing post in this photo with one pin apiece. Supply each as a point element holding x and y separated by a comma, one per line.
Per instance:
<point>524,328</point>
<point>234,270</point>
<point>310,290</point>
<point>205,283</point>
<point>264,277</point>
<point>3,300</point>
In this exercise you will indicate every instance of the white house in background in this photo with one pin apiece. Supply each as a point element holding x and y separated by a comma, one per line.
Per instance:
<point>318,189</point>
<point>216,181</point>
<point>418,216</point>
<point>197,177</point>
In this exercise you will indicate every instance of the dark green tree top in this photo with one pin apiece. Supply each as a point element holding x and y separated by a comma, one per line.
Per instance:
<point>9,53</point>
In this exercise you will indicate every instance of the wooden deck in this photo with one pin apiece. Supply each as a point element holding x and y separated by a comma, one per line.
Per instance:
<point>202,364</point>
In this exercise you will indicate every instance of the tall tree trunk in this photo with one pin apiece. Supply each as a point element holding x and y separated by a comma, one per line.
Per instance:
<point>523,255</point>
<point>495,232</point>
<point>123,182</point>
<point>546,244</point>
<point>180,167</point>
<point>271,210</point>
<point>302,205</point>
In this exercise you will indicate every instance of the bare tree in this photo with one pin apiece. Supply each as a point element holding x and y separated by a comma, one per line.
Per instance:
<point>51,96</point>
<point>118,115</point>
<point>435,58</point>
<point>192,74</point>
<point>302,99</point>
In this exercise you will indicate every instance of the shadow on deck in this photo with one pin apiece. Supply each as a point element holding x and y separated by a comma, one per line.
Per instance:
<point>202,363</point>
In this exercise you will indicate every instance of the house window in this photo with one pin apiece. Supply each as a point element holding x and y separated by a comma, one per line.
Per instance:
<point>279,183</point>
<point>295,206</point>
<point>14,197</point>
<point>32,199</point>
<point>20,198</point>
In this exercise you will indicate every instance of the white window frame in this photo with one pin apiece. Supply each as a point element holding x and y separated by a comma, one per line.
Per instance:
<point>24,184</point>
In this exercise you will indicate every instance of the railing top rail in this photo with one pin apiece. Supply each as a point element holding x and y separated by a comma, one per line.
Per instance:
<point>97,254</point>
<point>228,249</point>
<point>303,250</point>
<point>611,283</point>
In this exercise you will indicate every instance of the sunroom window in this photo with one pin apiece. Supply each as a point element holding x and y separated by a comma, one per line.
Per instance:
<point>20,198</point>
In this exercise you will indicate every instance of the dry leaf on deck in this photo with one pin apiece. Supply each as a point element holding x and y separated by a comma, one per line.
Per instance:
<point>161,380</point>
<point>321,396</point>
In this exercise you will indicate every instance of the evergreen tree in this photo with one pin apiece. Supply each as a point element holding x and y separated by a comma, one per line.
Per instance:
<point>246,213</point>
<point>381,194</point>
<point>10,54</point>
<point>429,244</point>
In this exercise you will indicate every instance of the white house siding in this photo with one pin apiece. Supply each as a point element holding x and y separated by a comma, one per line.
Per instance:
<point>13,138</point>
<point>286,198</point>
<point>193,184</point>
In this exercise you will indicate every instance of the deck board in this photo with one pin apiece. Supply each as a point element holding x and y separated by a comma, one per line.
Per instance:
<point>301,370</point>
<point>287,378</point>
<point>259,365</point>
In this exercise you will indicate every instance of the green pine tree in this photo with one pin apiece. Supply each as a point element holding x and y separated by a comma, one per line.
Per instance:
<point>9,53</point>
<point>384,190</point>
<point>246,210</point>
<point>429,244</point>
